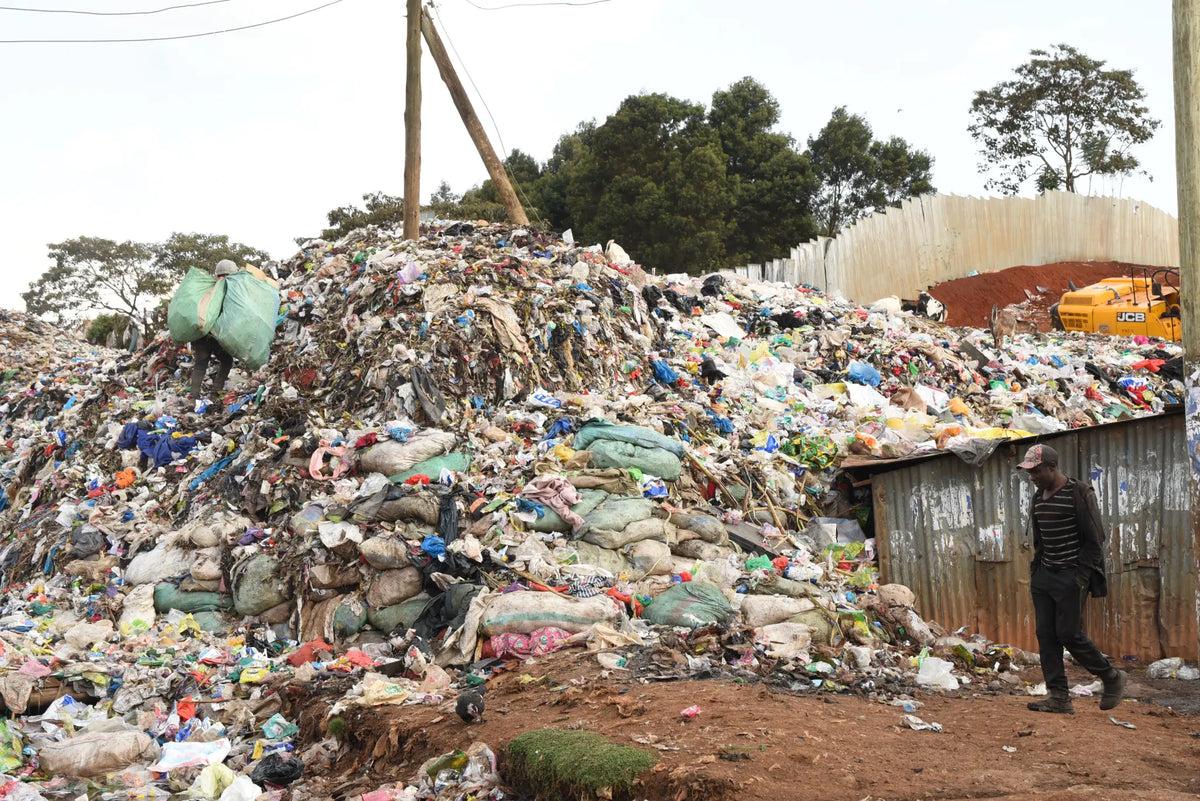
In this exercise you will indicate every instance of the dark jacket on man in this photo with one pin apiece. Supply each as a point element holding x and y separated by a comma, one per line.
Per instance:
<point>1091,539</point>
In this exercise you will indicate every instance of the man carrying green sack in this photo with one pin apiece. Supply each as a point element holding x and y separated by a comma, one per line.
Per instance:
<point>207,348</point>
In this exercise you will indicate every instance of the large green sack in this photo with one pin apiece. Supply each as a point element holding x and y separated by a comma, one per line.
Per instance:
<point>459,462</point>
<point>168,596</point>
<point>550,521</point>
<point>635,435</point>
<point>400,617</point>
<point>618,511</point>
<point>652,460</point>
<point>257,585</point>
<point>196,306</point>
<point>247,322</point>
<point>691,604</point>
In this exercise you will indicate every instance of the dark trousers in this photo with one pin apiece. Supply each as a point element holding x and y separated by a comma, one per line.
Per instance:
<point>1058,605</point>
<point>204,349</point>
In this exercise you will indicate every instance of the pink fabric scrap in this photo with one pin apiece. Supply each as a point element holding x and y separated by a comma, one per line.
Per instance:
<point>317,463</point>
<point>538,643</point>
<point>557,493</point>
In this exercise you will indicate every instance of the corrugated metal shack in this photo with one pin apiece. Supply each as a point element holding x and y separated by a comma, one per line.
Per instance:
<point>957,535</point>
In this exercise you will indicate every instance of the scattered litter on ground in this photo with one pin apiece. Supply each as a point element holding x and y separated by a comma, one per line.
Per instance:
<point>481,447</point>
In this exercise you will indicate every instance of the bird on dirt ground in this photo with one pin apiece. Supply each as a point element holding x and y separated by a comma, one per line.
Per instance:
<point>470,705</point>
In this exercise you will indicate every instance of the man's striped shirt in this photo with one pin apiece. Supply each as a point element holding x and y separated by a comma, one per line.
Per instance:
<point>1055,518</point>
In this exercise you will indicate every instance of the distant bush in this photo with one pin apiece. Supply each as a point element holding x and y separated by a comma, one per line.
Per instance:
<point>106,324</point>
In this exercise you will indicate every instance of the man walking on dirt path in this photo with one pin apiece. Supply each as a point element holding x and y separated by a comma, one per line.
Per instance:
<point>1068,563</point>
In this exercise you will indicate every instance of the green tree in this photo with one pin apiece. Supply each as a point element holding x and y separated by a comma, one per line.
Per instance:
<point>841,156</point>
<point>900,172</point>
<point>126,279</point>
<point>524,173</point>
<point>772,184</point>
<point>91,273</point>
<point>444,194</point>
<point>103,325</point>
<point>379,208</point>
<point>1063,117</point>
<point>560,172</point>
<point>654,179</point>
<point>859,175</point>
<point>183,251</point>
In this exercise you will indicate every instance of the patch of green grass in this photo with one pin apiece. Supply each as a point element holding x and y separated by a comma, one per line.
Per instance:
<point>566,764</point>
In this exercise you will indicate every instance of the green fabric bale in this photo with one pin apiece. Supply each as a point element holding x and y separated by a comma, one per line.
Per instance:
<point>709,528</point>
<point>782,586</point>
<point>595,430</point>
<point>247,322</point>
<point>617,512</point>
<point>552,521</point>
<point>459,462</point>
<point>648,528</point>
<point>211,622</point>
<point>654,461</point>
<point>399,617</point>
<point>257,585</point>
<point>691,604</point>
<point>526,612</point>
<point>606,558</point>
<point>818,620</point>
<point>168,596</point>
<point>349,617</point>
<point>196,306</point>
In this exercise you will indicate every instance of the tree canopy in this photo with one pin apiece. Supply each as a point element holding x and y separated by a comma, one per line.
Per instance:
<point>92,274</point>
<point>183,251</point>
<point>772,183</point>
<point>1063,117</point>
<point>858,174</point>
<point>690,188</point>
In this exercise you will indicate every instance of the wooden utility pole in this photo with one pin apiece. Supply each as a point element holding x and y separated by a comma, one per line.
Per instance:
<point>1186,26</point>
<point>412,125</point>
<point>495,169</point>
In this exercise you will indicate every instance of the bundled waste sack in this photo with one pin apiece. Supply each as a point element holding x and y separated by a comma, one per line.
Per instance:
<point>196,306</point>
<point>246,325</point>
<point>691,604</point>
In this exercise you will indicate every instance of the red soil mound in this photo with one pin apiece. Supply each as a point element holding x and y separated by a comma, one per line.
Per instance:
<point>969,300</point>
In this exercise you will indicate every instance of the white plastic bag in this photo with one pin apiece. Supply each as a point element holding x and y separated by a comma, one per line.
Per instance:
<point>242,789</point>
<point>1164,668</point>
<point>935,672</point>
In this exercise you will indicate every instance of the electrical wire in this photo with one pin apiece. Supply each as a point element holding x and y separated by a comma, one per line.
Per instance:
<point>463,64</point>
<point>172,38</point>
<point>516,184</point>
<point>530,5</point>
<point>110,13</point>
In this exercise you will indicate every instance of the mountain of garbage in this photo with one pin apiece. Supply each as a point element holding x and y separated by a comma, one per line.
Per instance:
<point>481,445</point>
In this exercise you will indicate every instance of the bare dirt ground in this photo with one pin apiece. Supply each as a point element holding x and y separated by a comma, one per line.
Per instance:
<point>754,743</point>
<point>969,300</point>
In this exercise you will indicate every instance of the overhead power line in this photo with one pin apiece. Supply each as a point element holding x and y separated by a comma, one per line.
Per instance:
<point>531,5</point>
<point>172,38</point>
<point>110,13</point>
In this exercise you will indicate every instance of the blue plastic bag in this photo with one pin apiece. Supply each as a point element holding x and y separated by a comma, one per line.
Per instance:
<point>663,372</point>
<point>863,373</point>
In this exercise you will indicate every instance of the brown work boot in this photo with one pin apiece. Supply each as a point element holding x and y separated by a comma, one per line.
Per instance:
<point>1059,704</point>
<point>1114,690</point>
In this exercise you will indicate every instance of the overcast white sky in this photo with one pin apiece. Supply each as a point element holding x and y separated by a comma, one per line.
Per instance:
<point>258,133</point>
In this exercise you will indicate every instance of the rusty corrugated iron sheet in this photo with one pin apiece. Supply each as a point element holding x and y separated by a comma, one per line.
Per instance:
<point>957,535</point>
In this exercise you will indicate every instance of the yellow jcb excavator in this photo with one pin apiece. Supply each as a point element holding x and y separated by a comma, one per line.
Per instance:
<point>1146,303</point>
